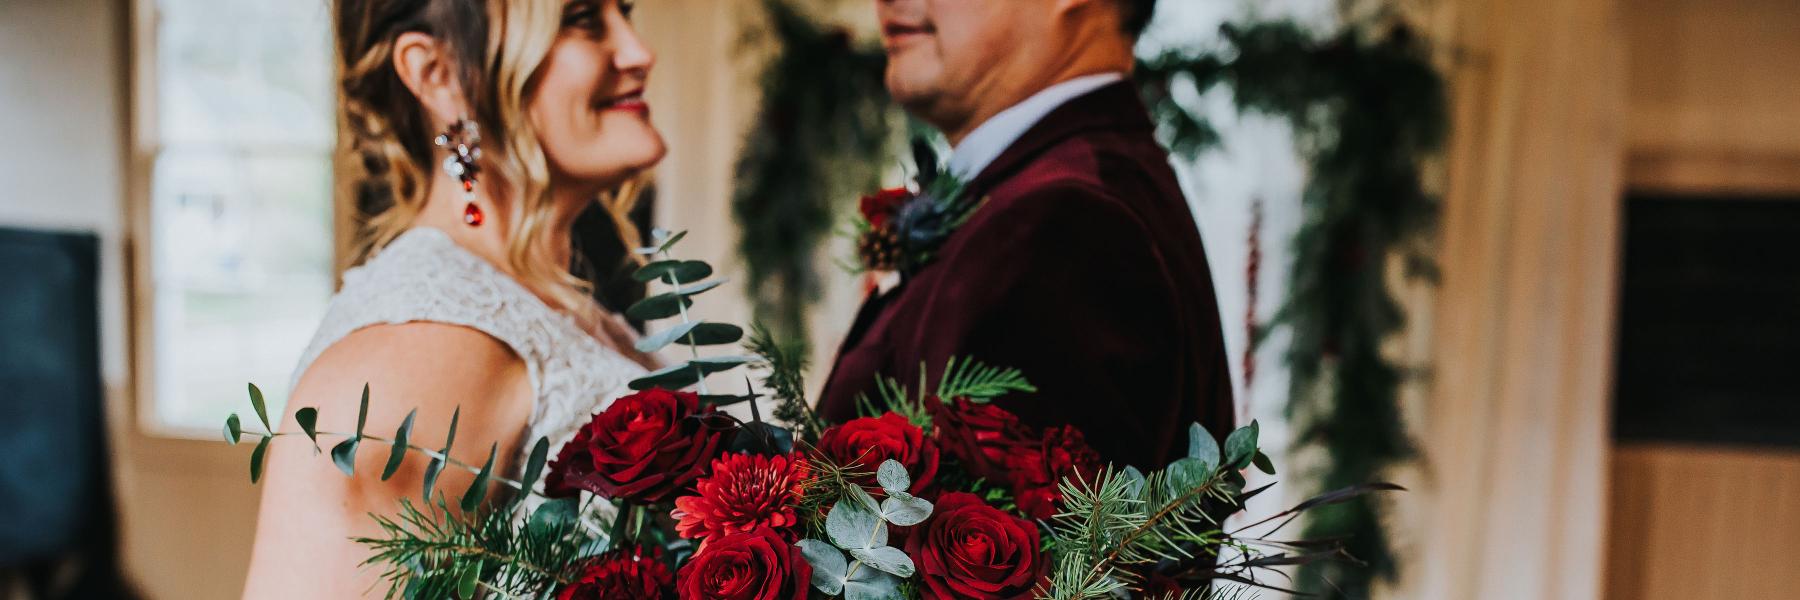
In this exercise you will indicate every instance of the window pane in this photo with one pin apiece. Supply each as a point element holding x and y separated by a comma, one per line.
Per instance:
<point>242,274</point>
<point>240,210</point>
<point>244,72</point>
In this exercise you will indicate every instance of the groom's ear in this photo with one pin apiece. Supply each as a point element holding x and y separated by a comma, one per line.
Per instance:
<point>1112,8</point>
<point>426,67</point>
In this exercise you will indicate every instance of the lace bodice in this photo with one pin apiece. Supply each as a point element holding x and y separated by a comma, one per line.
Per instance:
<point>425,276</point>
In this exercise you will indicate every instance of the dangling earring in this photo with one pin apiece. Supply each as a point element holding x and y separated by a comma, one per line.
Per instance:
<point>463,140</point>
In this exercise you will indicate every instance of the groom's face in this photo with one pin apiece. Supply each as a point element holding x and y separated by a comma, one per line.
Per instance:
<point>943,55</point>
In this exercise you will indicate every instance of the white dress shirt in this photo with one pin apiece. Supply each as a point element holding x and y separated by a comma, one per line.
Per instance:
<point>995,135</point>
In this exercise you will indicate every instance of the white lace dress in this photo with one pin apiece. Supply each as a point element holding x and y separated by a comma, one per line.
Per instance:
<point>425,276</point>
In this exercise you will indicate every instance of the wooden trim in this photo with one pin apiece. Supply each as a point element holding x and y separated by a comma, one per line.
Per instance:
<point>1714,173</point>
<point>1700,523</point>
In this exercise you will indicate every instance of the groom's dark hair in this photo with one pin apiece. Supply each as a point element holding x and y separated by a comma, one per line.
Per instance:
<point>1137,15</point>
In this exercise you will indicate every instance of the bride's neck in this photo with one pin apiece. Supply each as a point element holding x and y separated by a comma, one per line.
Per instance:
<point>492,239</point>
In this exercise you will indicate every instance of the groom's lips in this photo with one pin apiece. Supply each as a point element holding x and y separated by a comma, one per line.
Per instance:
<point>896,34</point>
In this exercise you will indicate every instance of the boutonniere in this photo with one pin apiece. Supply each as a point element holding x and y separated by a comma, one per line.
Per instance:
<point>901,229</point>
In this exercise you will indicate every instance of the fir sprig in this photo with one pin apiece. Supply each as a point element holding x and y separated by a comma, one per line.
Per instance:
<point>431,552</point>
<point>787,363</point>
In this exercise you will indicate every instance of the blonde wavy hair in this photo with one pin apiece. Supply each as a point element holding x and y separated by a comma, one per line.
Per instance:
<point>497,47</point>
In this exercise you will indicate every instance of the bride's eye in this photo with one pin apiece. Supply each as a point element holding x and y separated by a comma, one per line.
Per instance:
<point>626,7</point>
<point>583,14</point>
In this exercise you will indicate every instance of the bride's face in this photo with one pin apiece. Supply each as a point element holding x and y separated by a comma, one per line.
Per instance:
<point>588,105</point>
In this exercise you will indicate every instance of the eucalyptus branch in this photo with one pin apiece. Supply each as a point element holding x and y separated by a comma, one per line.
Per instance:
<point>472,469</point>
<point>681,305</point>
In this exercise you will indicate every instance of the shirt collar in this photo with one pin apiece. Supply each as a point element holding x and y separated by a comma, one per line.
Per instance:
<point>992,137</point>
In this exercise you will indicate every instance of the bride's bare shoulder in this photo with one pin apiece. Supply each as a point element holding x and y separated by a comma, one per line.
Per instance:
<point>433,367</point>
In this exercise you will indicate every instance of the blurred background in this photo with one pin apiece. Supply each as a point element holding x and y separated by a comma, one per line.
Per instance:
<point>1534,259</point>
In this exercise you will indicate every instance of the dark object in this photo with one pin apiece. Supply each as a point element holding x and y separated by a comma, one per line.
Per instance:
<point>1707,315</point>
<point>1084,270</point>
<point>602,259</point>
<point>56,499</point>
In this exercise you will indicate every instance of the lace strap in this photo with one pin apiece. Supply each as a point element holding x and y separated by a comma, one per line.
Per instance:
<point>423,276</point>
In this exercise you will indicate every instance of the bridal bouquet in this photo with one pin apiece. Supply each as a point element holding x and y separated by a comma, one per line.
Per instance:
<point>935,493</point>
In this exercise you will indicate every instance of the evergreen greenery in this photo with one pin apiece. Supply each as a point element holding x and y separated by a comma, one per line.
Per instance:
<point>1370,109</point>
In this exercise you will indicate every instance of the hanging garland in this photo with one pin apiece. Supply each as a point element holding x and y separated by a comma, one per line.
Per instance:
<point>1369,110</point>
<point>821,135</point>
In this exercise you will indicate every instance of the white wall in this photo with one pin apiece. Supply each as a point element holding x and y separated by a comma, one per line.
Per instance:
<point>62,137</point>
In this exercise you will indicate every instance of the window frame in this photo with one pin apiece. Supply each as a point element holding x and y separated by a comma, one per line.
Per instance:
<point>144,145</point>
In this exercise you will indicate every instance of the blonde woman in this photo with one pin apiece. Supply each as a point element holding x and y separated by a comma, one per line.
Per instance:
<point>485,127</point>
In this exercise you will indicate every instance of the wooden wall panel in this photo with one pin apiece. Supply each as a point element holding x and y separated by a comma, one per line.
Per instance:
<point>1694,523</point>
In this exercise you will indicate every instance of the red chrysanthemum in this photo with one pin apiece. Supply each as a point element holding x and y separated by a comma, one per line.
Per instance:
<point>744,492</point>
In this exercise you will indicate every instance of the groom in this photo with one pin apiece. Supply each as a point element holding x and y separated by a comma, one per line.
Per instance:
<point>1083,268</point>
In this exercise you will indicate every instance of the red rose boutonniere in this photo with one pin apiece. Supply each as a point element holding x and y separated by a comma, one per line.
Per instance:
<point>900,229</point>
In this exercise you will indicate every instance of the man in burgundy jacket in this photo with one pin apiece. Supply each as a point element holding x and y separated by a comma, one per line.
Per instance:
<point>1083,267</point>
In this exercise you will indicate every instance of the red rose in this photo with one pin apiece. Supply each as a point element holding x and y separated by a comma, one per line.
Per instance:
<point>878,208</point>
<point>971,551</point>
<point>981,436</point>
<point>864,444</point>
<point>1061,453</point>
<point>623,575</point>
<point>643,448</point>
<point>756,565</point>
<point>743,493</point>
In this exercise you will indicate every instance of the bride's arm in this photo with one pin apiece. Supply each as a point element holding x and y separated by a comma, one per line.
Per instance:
<point>310,510</point>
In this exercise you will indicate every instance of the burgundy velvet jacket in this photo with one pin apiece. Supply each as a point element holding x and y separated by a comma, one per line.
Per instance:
<point>1084,269</point>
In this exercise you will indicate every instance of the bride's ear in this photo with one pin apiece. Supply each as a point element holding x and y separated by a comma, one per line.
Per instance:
<point>429,72</point>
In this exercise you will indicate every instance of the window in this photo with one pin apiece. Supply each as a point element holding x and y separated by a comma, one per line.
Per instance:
<point>236,120</point>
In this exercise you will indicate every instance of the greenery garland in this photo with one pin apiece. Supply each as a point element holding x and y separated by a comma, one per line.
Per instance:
<point>1370,109</point>
<point>821,135</point>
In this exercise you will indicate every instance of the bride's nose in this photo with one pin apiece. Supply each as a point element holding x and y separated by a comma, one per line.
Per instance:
<point>630,54</point>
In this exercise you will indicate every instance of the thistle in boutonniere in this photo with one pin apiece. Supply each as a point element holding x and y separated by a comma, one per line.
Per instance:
<point>901,229</point>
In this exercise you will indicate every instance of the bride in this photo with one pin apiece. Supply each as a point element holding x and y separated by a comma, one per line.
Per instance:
<point>485,127</point>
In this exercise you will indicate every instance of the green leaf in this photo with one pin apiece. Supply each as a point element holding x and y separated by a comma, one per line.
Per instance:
<point>234,429</point>
<point>851,525</point>
<point>534,468</point>
<point>716,364</point>
<point>262,410</point>
<point>397,454</point>
<point>431,476</point>
<point>660,306</point>
<point>1263,463</point>
<point>465,583</point>
<point>1240,446</point>
<point>478,488</point>
<point>892,476</point>
<point>885,558</point>
<point>450,438</point>
<point>362,413</point>
<point>672,377</point>
<point>1134,478</point>
<point>344,454</point>
<point>699,333</point>
<point>979,382</point>
<point>556,514</point>
<point>828,565</point>
<point>872,584</point>
<point>905,510</point>
<point>1201,444</point>
<point>1187,474</point>
<point>672,271</point>
<point>697,289</point>
<point>308,418</point>
<point>256,459</point>
<point>670,243</point>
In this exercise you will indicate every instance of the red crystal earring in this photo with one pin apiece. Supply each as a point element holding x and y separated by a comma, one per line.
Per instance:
<point>463,139</point>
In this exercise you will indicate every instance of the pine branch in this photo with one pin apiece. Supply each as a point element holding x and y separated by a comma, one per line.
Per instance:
<point>787,364</point>
<point>969,377</point>
<point>431,553</point>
